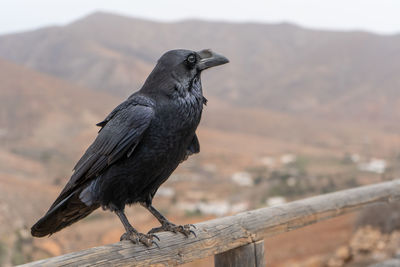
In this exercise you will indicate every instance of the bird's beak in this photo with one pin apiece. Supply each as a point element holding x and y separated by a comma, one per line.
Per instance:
<point>210,59</point>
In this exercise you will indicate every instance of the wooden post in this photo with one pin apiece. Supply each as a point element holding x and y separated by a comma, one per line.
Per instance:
<point>250,255</point>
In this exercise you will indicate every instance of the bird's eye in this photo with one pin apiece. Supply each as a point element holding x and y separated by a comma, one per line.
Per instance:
<point>191,59</point>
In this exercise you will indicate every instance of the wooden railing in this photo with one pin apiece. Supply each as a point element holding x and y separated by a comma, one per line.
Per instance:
<point>234,240</point>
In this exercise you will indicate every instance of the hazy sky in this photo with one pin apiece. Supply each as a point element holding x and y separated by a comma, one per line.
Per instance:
<point>381,16</point>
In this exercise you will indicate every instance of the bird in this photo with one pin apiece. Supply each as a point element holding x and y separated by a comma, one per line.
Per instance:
<point>138,146</point>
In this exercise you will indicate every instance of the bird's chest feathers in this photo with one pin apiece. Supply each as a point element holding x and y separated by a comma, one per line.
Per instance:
<point>181,116</point>
<point>170,133</point>
<point>189,99</point>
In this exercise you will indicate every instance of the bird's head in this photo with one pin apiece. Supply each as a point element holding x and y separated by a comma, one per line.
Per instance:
<point>177,71</point>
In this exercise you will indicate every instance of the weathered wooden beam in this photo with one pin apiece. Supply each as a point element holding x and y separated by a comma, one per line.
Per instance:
<point>250,255</point>
<point>223,234</point>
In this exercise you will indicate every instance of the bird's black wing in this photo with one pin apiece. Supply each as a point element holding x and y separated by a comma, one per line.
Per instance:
<point>121,132</point>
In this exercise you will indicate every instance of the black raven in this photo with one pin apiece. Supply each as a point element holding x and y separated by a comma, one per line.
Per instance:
<point>140,143</point>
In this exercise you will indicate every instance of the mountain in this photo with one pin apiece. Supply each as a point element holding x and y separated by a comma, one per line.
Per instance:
<point>281,67</point>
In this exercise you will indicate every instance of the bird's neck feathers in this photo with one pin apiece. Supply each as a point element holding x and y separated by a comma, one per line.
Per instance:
<point>162,83</point>
<point>157,81</point>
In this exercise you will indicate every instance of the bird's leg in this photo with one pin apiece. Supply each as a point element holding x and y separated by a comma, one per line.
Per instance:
<point>167,225</point>
<point>132,234</point>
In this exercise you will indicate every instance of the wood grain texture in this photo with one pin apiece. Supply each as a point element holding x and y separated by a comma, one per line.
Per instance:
<point>223,234</point>
<point>250,255</point>
<point>260,251</point>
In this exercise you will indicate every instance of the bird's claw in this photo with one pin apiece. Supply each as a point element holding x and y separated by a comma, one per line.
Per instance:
<point>192,232</point>
<point>137,238</point>
<point>170,227</point>
<point>155,243</point>
<point>153,235</point>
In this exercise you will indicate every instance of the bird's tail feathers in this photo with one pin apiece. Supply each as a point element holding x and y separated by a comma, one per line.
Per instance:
<point>71,209</point>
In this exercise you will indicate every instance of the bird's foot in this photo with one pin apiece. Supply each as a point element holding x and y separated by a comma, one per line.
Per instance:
<point>170,227</point>
<point>136,238</point>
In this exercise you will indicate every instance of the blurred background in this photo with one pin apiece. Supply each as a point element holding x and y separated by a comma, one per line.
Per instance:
<point>309,104</point>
